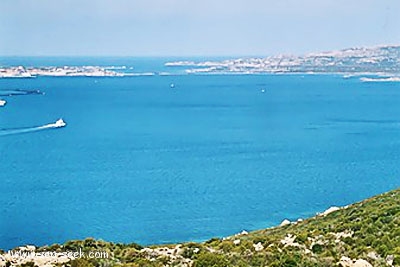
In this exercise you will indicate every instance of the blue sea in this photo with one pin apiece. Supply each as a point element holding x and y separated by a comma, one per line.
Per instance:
<point>142,162</point>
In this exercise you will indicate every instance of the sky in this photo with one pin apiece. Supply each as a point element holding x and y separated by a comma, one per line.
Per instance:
<point>193,27</point>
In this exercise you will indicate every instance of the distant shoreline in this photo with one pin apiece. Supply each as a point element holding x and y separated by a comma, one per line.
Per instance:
<point>19,72</point>
<point>382,61</point>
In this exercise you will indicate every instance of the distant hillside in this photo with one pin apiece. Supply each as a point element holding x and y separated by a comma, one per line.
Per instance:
<point>381,59</point>
<point>363,234</point>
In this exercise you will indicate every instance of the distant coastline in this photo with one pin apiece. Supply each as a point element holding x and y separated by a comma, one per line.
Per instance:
<point>383,79</point>
<point>382,61</point>
<point>32,72</point>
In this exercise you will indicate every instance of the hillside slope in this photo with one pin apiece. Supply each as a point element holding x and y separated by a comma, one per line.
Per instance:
<point>363,234</point>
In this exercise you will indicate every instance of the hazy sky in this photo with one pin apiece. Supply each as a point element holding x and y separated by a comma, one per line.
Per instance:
<point>193,27</point>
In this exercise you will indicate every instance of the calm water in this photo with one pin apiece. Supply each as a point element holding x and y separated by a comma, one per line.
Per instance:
<point>141,162</point>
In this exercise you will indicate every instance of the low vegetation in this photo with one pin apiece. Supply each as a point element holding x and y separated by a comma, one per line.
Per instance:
<point>366,233</point>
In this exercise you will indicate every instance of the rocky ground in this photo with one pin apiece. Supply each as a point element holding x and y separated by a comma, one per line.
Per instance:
<point>360,235</point>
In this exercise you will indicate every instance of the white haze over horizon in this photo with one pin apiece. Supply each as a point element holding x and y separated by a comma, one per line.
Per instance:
<point>198,28</point>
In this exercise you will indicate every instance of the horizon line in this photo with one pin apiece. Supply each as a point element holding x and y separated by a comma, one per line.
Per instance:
<point>210,55</point>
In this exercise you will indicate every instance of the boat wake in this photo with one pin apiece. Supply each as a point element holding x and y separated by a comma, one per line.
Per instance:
<point>19,92</point>
<point>58,124</point>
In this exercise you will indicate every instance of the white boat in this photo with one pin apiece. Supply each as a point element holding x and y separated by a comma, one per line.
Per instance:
<point>2,103</point>
<point>60,123</point>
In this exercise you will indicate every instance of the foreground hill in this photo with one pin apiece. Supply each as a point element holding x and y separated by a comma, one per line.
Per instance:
<point>363,234</point>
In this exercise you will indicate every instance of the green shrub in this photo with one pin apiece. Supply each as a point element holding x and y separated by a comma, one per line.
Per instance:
<point>213,240</point>
<point>302,237</point>
<point>258,260</point>
<point>226,246</point>
<point>348,240</point>
<point>317,248</point>
<point>28,264</point>
<point>188,253</point>
<point>81,263</point>
<point>129,254</point>
<point>210,260</point>
<point>396,261</point>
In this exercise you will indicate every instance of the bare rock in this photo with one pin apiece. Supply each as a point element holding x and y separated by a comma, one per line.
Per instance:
<point>345,262</point>
<point>362,263</point>
<point>389,260</point>
<point>373,255</point>
<point>285,222</point>
<point>328,211</point>
<point>258,246</point>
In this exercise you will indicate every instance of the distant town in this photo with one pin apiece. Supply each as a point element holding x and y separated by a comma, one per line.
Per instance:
<point>375,60</point>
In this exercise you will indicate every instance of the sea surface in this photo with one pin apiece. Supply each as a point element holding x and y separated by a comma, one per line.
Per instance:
<point>142,162</point>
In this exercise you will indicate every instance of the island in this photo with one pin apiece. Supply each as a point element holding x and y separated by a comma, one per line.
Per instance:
<point>380,60</point>
<point>71,71</point>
